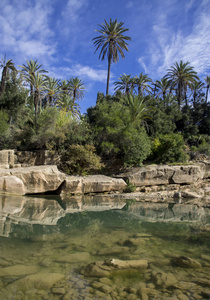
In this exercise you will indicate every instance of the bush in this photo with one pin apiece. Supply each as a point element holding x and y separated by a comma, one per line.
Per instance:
<point>169,148</point>
<point>81,160</point>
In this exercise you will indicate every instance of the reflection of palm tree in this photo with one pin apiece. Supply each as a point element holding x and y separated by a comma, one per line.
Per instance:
<point>6,65</point>
<point>111,41</point>
<point>180,76</point>
<point>142,83</point>
<point>38,82</point>
<point>207,81</point>
<point>124,83</point>
<point>76,88</point>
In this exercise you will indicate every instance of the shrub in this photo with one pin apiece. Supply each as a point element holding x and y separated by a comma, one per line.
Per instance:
<point>81,160</point>
<point>169,148</point>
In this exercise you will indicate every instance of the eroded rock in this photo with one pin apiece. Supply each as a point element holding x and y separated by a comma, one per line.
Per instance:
<point>185,262</point>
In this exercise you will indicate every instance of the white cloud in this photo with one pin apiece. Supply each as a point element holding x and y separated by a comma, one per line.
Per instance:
<point>25,29</point>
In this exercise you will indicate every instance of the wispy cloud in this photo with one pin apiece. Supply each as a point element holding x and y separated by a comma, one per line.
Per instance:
<point>170,45</point>
<point>142,63</point>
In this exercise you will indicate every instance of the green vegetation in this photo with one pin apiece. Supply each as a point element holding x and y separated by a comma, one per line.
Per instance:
<point>142,122</point>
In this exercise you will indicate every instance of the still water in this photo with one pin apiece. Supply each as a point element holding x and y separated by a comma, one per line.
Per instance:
<point>52,248</point>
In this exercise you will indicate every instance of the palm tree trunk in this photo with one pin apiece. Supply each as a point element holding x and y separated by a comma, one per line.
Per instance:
<point>3,80</point>
<point>207,90</point>
<point>36,102</point>
<point>108,74</point>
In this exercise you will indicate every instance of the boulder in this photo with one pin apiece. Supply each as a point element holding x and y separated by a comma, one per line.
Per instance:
<point>7,159</point>
<point>12,184</point>
<point>185,262</point>
<point>164,175</point>
<point>37,179</point>
<point>127,264</point>
<point>164,280</point>
<point>18,270</point>
<point>92,184</point>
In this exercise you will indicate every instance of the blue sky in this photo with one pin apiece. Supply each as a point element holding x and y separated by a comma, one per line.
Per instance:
<point>58,33</point>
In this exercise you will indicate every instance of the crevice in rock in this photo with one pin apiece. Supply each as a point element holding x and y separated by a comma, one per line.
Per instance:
<point>55,192</point>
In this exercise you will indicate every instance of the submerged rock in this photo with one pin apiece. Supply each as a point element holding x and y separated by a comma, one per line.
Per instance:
<point>75,257</point>
<point>18,270</point>
<point>185,262</point>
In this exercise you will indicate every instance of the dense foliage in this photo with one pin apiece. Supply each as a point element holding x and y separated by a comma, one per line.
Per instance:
<point>143,122</point>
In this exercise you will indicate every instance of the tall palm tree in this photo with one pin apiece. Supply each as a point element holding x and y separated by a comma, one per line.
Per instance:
<point>6,65</point>
<point>181,76</point>
<point>76,88</point>
<point>124,83</point>
<point>207,82</point>
<point>39,83</point>
<point>112,41</point>
<point>29,70</point>
<point>142,83</point>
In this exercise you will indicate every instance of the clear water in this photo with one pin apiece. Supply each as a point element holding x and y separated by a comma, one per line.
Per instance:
<point>45,244</point>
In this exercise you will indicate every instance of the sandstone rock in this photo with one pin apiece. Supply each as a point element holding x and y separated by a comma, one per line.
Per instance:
<point>127,264</point>
<point>189,194</point>
<point>164,280</point>
<point>92,184</point>
<point>113,251</point>
<point>97,269</point>
<point>18,270</point>
<point>163,175</point>
<point>7,158</point>
<point>40,281</point>
<point>185,262</point>
<point>75,257</point>
<point>38,179</point>
<point>12,184</point>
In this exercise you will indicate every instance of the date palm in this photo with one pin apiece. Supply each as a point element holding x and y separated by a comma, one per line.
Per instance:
<point>6,65</point>
<point>163,87</point>
<point>124,83</point>
<point>52,90</point>
<point>181,76</point>
<point>111,43</point>
<point>76,88</point>
<point>142,83</point>
<point>66,103</point>
<point>39,83</point>
<point>29,70</point>
<point>196,88</point>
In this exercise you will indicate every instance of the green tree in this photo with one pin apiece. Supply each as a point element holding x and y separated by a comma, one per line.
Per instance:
<point>112,42</point>
<point>181,76</point>
<point>6,65</point>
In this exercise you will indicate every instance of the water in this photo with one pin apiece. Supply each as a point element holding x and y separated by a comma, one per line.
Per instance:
<point>47,244</point>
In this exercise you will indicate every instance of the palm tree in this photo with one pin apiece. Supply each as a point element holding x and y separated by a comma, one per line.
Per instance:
<point>112,41</point>
<point>66,103</point>
<point>141,82</point>
<point>124,83</point>
<point>181,76</point>
<point>196,88</point>
<point>76,88</point>
<point>29,70</point>
<point>137,109</point>
<point>52,90</point>
<point>6,65</point>
<point>39,83</point>
<point>163,86</point>
<point>207,81</point>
